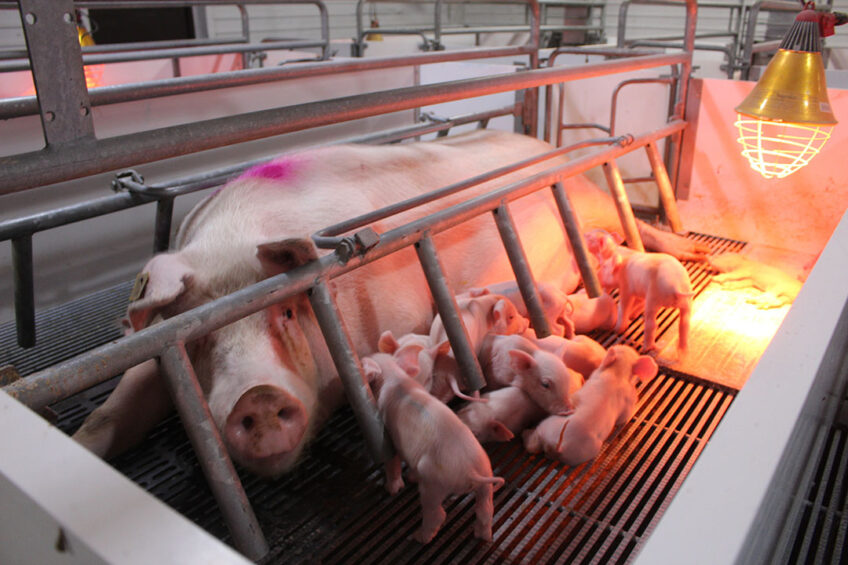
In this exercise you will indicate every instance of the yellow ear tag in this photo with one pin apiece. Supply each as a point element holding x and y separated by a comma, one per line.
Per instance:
<point>139,286</point>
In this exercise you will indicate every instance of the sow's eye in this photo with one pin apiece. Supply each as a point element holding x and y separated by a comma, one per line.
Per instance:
<point>289,313</point>
<point>546,383</point>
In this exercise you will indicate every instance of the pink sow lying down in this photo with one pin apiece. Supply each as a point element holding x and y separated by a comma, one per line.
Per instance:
<point>269,379</point>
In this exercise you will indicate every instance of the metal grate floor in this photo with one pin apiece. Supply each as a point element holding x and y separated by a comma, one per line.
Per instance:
<point>333,507</point>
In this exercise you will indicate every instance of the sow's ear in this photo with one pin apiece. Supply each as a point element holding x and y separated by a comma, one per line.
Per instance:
<point>280,256</point>
<point>168,277</point>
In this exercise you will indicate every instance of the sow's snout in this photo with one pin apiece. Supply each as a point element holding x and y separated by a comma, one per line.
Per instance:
<point>265,429</point>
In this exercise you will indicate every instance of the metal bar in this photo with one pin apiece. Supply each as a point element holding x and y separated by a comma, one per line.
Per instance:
<point>162,234</point>
<point>84,371</point>
<point>104,95</point>
<point>327,238</point>
<point>24,295</point>
<point>144,194</point>
<point>521,268</point>
<point>23,171</point>
<point>622,84</point>
<point>622,206</point>
<point>211,454</point>
<point>666,191</point>
<point>350,371</point>
<point>105,58</point>
<point>466,358</point>
<point>50,31</point>
<point>575,238</point>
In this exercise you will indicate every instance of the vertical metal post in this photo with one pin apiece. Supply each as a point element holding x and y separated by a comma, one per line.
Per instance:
<point>24,296</point>
<point>667,199</point>
<point>57,71</point>
<point>211,453</point>
<point>350,371</point>
<point>578,244</point>
<point>164,215</point>
<point>622,205</point>
<point>521,268</point>
<point>466,358</point>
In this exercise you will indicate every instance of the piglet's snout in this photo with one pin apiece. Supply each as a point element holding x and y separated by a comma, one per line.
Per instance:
<point>265,422</point>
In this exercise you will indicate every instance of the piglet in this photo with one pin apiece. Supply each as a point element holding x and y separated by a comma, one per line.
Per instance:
<point>554,301</point>
<point>589,314</point>
<point>657,278</point>
<point>442,454</point>
<point>516,361</point>
<point>506,412</point>
<point>608,399</point>
<point>581,353</point>
<point>423,345</point>
<point>482,315</point>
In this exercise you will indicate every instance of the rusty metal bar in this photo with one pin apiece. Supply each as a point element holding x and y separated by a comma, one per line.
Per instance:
<point>350,371</point>
<point>575,238</point>
<point>24,295</point>
<point>622,206</point>
<point>211,453</point>
<point>521,268</point>
<point>466,358</point>
<point>669,203</point>
<point>106,361</point>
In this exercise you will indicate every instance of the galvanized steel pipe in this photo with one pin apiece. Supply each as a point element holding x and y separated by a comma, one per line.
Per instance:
<point>19,172</point>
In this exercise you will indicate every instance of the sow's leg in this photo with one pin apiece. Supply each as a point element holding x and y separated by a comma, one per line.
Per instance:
<point>138,403</point>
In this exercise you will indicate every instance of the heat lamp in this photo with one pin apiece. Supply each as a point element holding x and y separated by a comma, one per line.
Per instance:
<point>787,118</point>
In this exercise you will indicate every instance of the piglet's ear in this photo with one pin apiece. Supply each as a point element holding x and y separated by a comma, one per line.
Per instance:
<point>280,256</point>
<point>499,431</point>
<point>609,358</point>
<point>442,348</point>
<point>520,361</point>
<point>645,368</point>
<point>168,278</point>
<point>387,342</point>
<point>407,359</point>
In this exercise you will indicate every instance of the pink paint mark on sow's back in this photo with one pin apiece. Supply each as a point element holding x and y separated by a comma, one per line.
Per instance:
<point>280,169</point>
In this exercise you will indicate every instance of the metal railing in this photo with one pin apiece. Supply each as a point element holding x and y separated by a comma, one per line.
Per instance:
<point>536,16</point>
<point>17,59</point>
<point>73,152</point>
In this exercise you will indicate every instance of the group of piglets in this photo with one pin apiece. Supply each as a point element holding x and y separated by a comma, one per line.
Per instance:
<point>534,387</point>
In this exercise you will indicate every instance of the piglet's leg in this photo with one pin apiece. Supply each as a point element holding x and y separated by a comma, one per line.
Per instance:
<point>394,481</point>
<point>138,403</point>
<point>650,323</point>
<point>433,515</point>
<point>683,330</point>
<point>484,508</point>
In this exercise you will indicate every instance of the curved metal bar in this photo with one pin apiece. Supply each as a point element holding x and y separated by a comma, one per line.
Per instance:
<point>622,84</point>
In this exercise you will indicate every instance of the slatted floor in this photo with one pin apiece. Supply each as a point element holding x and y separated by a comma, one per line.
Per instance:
<point>333,508</point>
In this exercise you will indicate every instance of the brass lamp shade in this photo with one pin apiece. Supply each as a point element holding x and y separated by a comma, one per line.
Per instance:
<point>791,90</point>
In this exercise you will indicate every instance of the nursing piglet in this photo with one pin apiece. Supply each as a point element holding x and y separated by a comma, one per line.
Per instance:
<point>581,353</point>
<point>554,301</point>
<point>588,314</point>
<point>422,344</point>
<point>441,453</point>
<point>482,315</point>
<point>513,360</point>
<point>608,399</point>
<point>505,412</point>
